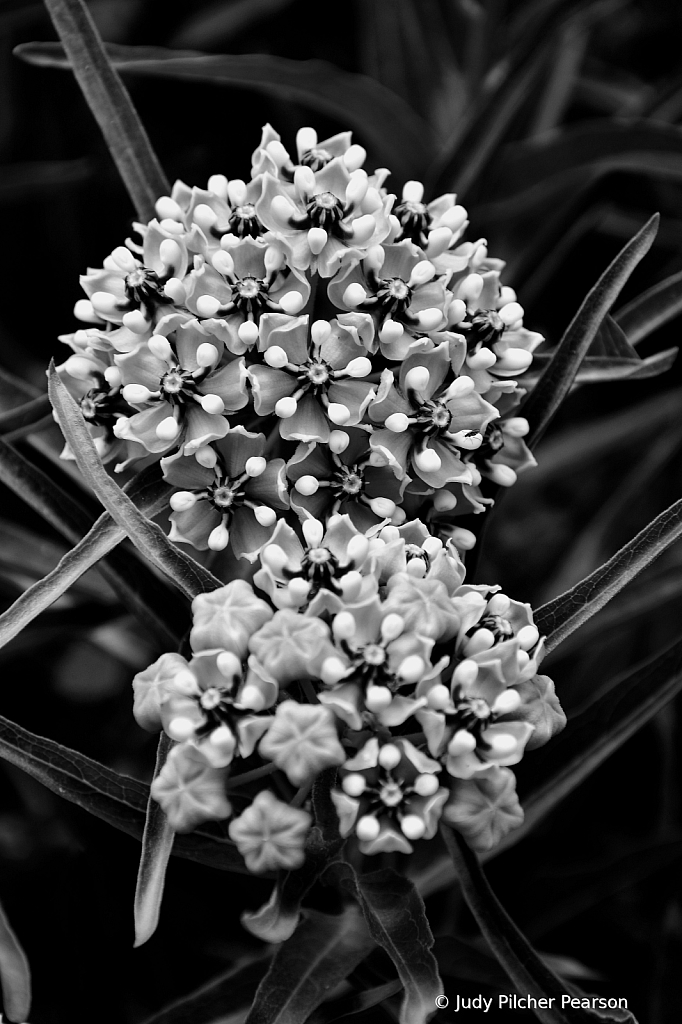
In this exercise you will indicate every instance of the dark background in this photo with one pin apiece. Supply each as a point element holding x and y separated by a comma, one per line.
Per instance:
<point>598,884</point>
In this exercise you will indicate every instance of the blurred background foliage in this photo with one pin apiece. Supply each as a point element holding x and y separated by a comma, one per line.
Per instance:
<point>558,124</point>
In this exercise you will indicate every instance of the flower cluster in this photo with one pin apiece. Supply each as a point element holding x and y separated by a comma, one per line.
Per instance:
<point>326,373</point>
<point>203,347</point>
<point>367,654</point>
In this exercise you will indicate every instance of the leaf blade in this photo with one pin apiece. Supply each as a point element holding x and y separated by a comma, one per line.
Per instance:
<point>652,309</point>
<point>157,844</point>
<point>189,576</point>
<point>555,383</point>
<point>110,104</point>
<point>397,921</point>
<point>383,118</point>
<point>15,973</point>
<point>513,951</point>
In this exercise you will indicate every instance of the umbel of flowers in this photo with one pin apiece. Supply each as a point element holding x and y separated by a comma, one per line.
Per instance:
<point>366,654</point>
<point>326,373</point>
<point>305,340</point>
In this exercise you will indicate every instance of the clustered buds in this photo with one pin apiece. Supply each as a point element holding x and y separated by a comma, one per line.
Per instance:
<point>202,347</point>
<point>365,654</point>
<point>326,372</point>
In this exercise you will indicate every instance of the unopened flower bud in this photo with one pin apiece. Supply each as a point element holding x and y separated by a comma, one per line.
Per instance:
<point>468,439</point>
<point>413,192</point>
<point>217,184</point>
<point>168,429</point>
<point>204,216</point>
<point>223,262</point>
<point>207,305</point>
<point>363,228</point>
<point>412,668</point>
<point>248,332</point>
<point>236,191</point>
<point>354,157</point>
<point>351,584</point>
<point>516,426</point>
<point>444,501</point>
<point>276,356</point>
<point>354,784</point>
<point>438,697</point>
<point>306,139</point>
<point>251,697</point>
<point>429,319</point>
<point>461,743</point>
<point>390,331</point>
<point>482,640</point>
<point>470,288</point>
<point>416,567</point>
<point>528,636</point>
<point>343,626</point>
<point>265,515</point>
<point>389,756</point>
<point>398,422</point>
<point>428,461</point>
<point>332,671</point>
<point>304,181</point>
<point>182,500</point>
<point>500,474</point>
<point>425,785</point>
<point>320,330</point>
<point>481,360</point>
<point>412,827</point>
<point>285,408</point>
<point>317,239</point>
<point>510,313</point>
<point>465,673</point>
<point>255,465</point>
<point>453,218</point>
<point>382,507</point>
<point>367,828</point>
<point>85,311</point>
<point>356,189</point>
<point>354,295</point>
<point>219,538</point>
<point>160,347</point>
<point>507,702</point>
<point>206,456</point>
<point>274,557</point>
<point>377,698</point>
<point>423,272</point>
<point>175,290</point>
<point>291,302</point>
<point>167,209</point>
<point>307,485</point>
<point>180,729</point>
<point>464,539</point>
<point>228,664</point>
<point>338,413</point>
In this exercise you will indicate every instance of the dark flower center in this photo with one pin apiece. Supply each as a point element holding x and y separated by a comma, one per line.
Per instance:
<point>316,159</point>
<point>485,329</point>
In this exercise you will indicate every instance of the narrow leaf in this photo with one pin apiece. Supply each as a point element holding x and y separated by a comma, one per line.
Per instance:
<point>357,1002</point>
<point>385,121</point>
<point>526,970</point>
<point>157,843</point>
<point>397,921</point>
<point>233,988</point>
<point>117,799</point>
<point>321,953</point>
<point>555,383</point>
<point>623,707</point>
<point>110,104</point>
<point>15,974</point>
<point>140,590</point>
<point>188,575</point>
<point>650,310</point>
<point>560,617</point>
<point>218,22</point>
<point>29,413</point>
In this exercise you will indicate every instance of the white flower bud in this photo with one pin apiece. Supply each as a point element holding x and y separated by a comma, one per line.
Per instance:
<point>223,262</point>
<point>438,697</point>
<point>251,697</point>
<point>236,191</point>
<point>306,139</point>
<point>461,743</point>
<point>276,356</point>
<point>398,422</point>
<point>382,507</point>
<point>351,584</point>
<point>378,698</point>
<point>425,785</point>
<point>338,413</point>
<point>428,461</point>
<point>180,729</point>
<point>181,501</point>
<point>390,534</point>
<point>499,604</point>
<point>412,827</point>
<point>339,441</point>
<point>217,184</point>
<point>429,319</point>
<point>320,330</point>
<point>460,387</point>
<point>332,671</point>
<point>481,360</point>
<point>124,259</point>
<point>317,239</point>
<point>82,368</point>
<point>204,216</point>
<point>413,192</point>
<point>500,474</point>
<point>416,567</point>
<point>470,288</point>
<point>160,347</point>
<point>343,626</point>
<point>112,376</point>
<point>274,557</point>
<point>422,272</point>
<point>313,531</point>
<point>438,242</point>
<point>417,379</point>
<point>482,640</point>
<point>228,664</point>
<point>292,302</point>
<point>510,313</point>
<point>356,189</point>
<point>285,409</point>
<point>255,465</point>
<point>367,828</point>
<point>298,590</point>
<point>207,305</point>
<point>167,209</point>
<point>354,784</point>
<point>104,303</point>
<point>206,456</point>
<point>363,228</point>
<point>516,426</point>
<point>175,290</point>
<point>389,756</point>
<point>507,702</point>
<point>307,485</point>
<point>464,539</point>
<point>453,218</point>
<point>266,516</point>
<point>248,332</point>
<point>391,627</point>
<point>274,259</point>
<point>390,331</point>
<point>357,549</point>
<point>468,439</point>
<point>457,312</point>
<point>354,295</point>
<point>514,360</point>
<point>412,668</point>
<point>528,636</point>
<point>282,209</point>
<point>85,311</point>
<point>219,538</point>
<point>503,744</point>
<point>304,181</point>
<point>354,157</point>
<point>168,429</point>
<point>465,673</point>
<point>212,404</point>
<point>444,501</point>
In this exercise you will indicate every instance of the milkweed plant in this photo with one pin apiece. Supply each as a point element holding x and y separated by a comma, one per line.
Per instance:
<point>316,386</point>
